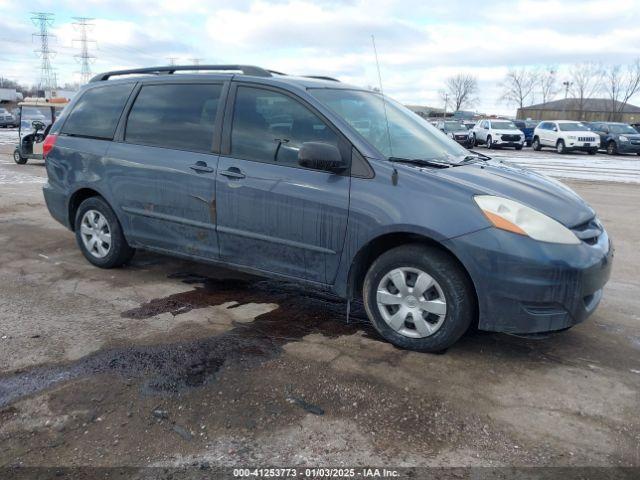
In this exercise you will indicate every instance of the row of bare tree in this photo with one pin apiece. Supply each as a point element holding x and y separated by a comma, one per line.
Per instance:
<point>521,86</point>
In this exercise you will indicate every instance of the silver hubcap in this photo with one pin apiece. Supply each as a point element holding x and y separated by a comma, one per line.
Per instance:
<point>95,233</point>
<point>411,302</point>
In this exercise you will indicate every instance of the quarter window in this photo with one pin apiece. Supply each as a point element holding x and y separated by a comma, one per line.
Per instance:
<point>97,112</point>
<point>270,127</point>
<point>178,116</point>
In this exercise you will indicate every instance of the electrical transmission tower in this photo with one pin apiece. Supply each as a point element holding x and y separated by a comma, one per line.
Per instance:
<point>83,24</point>
<point>172,60</point>
<point>44,21</point>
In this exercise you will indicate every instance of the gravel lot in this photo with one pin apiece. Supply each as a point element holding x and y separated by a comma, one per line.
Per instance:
<point>169,363</point>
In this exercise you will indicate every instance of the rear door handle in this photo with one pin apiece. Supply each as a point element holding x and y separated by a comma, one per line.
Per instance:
<point>233,172</point>
<point>202,167</point>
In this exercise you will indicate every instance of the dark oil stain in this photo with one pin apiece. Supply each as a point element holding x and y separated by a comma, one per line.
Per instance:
<point>175,367</point>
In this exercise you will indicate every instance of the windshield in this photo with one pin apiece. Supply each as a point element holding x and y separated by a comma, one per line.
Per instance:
<point>453,127</point>
<point>622,129</point>
<point>408,135</point>
<point>573,127</point>
<point>503,125</point>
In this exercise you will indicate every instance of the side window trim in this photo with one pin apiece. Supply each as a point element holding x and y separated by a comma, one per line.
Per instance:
<point>344,145</point>
<point>215,141</point>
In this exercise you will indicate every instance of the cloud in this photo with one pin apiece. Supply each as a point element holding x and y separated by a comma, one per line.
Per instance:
<point>419,43</point>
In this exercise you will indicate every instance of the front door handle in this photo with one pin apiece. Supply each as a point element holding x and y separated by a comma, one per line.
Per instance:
<point>201,166</point>
<point>233,172</point>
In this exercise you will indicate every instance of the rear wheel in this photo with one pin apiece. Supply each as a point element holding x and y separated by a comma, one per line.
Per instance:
<point>536,144</point>
<point>560,146</point>
<point>99,234</point>
<point>417,297</point>
<point>612,148</point>
<point>19,159</point>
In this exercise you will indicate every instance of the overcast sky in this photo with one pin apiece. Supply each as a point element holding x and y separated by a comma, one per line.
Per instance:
<point>420,43</point>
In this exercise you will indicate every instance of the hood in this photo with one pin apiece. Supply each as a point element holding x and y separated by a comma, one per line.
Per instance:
<point>507,132</point>
<point>525,186</point>
<point>461,132</point>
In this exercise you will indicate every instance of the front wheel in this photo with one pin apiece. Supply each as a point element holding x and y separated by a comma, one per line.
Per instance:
<point>519,147</point>
<point>19,159</point>
<point>489,144</point>
<point>560,146</point>
<point>418,297</point>
<point>593,151</point>
<point>612,148</point>
<point>99,234</point>
<point>536,144</point>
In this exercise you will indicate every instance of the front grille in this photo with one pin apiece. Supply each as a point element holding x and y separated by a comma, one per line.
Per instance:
<point>461,137</point>
<point>588,232</point>
<point>586,139</point>
<point>511,138</point>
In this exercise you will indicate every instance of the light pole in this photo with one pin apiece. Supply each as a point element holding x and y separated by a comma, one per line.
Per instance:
<point>446,101</point>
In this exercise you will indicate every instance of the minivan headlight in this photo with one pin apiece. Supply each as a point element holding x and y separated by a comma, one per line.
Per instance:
<point>514,217</point>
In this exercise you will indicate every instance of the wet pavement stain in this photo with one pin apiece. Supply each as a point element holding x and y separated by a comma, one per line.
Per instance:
<point>171,368</point>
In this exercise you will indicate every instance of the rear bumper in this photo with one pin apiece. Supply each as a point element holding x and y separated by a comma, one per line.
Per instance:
<point>526,286</point>
<point>56,201</point>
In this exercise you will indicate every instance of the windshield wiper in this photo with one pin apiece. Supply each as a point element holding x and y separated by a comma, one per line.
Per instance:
<point>475,156</point>
<point>422,162</point>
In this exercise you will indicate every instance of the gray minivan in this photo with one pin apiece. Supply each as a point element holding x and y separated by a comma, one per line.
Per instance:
<point>326,184</point>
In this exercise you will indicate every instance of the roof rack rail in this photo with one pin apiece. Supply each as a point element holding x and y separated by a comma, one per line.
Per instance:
<point>322,77</point>
<point>170,69</point>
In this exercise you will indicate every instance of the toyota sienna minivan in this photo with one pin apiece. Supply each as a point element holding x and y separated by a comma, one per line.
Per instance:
<point>310,180</point>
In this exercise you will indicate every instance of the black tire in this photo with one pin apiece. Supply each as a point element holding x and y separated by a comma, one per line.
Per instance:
<point>119,252</point>
<point>19,159</point>
<point>457,289</point>
<point>612,148</point>
<point>474,141</point>
<point>593,151</point>
<point>519,147</point>
<point>528,143</point>
<point>488,142</point>
<point>536,144</point>
<point>560,147</point>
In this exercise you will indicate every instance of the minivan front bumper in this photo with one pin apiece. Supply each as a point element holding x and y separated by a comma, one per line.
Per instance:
<point>527,286</point>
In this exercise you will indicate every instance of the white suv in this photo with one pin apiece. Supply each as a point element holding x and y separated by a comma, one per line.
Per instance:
<point>498,133</point>
<point>565,135</point>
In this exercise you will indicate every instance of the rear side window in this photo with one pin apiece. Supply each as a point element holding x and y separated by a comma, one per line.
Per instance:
<point>174,116</point>
<point>97,112</point>
<point>271,127</point>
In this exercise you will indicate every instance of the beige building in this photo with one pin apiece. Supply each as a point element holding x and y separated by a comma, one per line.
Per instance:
<point>592,110</point>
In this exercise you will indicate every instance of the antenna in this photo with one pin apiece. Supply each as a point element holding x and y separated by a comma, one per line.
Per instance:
<point>384,101</point>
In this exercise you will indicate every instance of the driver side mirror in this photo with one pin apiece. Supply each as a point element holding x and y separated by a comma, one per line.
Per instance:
<point>555,129</point>
<point>321,156</point>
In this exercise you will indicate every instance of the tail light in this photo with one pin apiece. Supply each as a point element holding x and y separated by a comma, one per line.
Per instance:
<point>49,142</point>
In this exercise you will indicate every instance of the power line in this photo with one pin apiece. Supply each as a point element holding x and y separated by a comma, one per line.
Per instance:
<point>44,21</point>
<point>83,24</point>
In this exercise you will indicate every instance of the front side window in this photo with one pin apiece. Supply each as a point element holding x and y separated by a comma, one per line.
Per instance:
<point>97,112</point>
<point>271,127</point>
<point>400,133</point>
<point>179,116</point>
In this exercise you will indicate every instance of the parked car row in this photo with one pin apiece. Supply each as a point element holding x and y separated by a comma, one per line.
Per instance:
<point>561,135</point>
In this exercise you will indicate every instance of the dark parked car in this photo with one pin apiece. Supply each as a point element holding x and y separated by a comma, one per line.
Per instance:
<point>527,127</point>
<point>617,137</point>
<point>457,131</point>
<point>7,119</point>
<point>326,185</point>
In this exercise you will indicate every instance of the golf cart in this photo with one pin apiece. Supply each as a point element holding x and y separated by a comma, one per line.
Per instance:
<point>36,117</point>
